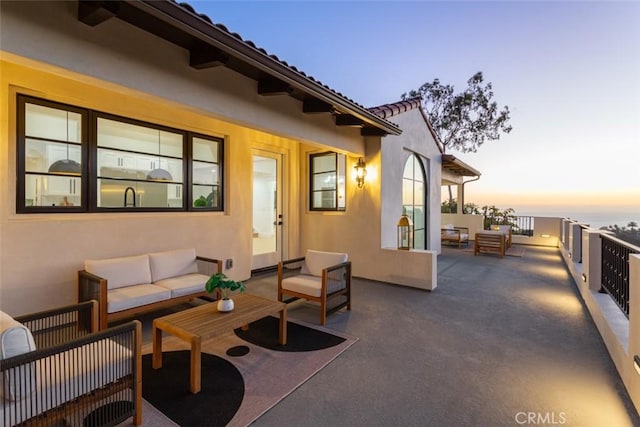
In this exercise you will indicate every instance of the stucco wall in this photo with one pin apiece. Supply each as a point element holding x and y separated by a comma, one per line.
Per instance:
<point>415,138</point>
<point>357,230</point>
<point>367,230</point>
<point>41,253</point>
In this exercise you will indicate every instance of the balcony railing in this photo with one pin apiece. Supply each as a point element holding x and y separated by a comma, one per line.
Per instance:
<point>520,225</point>
<point>615,270</point>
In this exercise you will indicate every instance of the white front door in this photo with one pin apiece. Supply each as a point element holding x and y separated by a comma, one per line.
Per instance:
<point>267,209</point>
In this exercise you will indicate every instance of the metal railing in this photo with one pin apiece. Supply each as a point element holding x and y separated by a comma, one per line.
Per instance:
<point>520,225</point>
<point>615,270</point>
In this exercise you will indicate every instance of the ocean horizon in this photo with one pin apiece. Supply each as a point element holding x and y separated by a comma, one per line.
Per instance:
<point>595,217</point>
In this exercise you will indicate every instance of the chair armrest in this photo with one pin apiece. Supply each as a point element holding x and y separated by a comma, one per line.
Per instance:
<point>218,262</point>
<point>338,266</point>
<point>327,276</point>
<point>92,287</point>
<point>450,232</point>
<point>52,327</point>
<point>293,260</point>
<point>462,229</point>
<point>96,355</point>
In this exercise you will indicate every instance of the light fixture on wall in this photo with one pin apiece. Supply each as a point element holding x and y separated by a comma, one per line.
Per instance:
<point>361,172</point>
<point>65,166</point>
<point>636,363</point>
<point>159,174</point>
<point>405,233</point>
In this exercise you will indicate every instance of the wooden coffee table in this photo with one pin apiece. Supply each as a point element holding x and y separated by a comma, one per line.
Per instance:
<point>202,323</point>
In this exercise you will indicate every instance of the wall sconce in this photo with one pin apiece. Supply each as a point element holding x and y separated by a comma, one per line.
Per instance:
<point>636,363</point>
<point>405,233</point>
<point>361,172</point>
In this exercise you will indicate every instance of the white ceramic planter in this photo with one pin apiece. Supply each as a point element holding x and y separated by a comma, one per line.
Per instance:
<point>225,305</point>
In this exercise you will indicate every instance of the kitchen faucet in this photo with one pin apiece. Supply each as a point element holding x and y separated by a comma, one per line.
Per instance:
<point>126,191</point>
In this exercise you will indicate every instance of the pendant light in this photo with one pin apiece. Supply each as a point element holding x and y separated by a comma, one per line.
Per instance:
<point>159,174</point>
<point>65,166</point>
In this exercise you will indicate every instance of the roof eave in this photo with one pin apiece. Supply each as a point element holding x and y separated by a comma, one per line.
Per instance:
<point>173,13</point>
<point>462,168</point>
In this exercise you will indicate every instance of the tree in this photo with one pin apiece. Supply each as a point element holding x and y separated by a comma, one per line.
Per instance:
<point>463,121</point>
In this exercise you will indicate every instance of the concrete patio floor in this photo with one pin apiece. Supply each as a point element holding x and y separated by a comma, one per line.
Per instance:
<point>500,342</point>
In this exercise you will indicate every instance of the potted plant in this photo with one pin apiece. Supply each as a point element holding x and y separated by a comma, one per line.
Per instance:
<point>226,286</point>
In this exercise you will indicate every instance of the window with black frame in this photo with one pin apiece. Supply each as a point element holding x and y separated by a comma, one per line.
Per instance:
<point>414,199</point>
<point>327,182</point>
<point>71,159</point>
<point>138,166</point>
<point>52,141</point>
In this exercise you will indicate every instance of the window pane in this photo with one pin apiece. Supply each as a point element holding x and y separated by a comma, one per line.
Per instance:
<point>408,168</point>
<point>52,123</point>
<point>40,155</point>
<point>324,181</point>
<point>407,192</point>
<point>52,190</point>
<point>206,173</point>
<point>324,163</point>
<point>418,193</point>
<point>119,194</point>
<point>324,200</point>
<point>129,137</point>
<point>418,217</point>
<point>205,150</point>
<point>342,164</point>
<point>418,239</point>
<point>206,196</point>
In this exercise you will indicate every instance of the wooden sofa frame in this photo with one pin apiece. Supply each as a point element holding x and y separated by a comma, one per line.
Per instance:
<point>454,235</point>
<point>489,242</point>
<point>92,287</point>
<point>61,330</point>
<point>324,298</point>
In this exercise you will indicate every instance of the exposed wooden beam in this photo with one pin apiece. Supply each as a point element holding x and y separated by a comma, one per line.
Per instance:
<point>348,120</point>
<point>314,105</point>
<point>94,13</point>
<point>372,131</point>
<point>204,56</point>
<point>269,87</point>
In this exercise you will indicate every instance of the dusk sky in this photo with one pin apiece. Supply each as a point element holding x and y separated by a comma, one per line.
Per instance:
<point>569,72</point>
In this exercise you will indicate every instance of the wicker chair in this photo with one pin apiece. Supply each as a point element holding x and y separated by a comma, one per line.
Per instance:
<point>325,277</point>
<point>56,369</point>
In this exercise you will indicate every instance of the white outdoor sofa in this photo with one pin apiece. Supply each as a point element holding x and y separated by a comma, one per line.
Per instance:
<point>129,286</point>
<point>454,235</point>
<point>57,369</point>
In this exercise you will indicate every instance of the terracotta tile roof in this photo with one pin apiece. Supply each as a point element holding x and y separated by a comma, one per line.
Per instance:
<point>389,110</point>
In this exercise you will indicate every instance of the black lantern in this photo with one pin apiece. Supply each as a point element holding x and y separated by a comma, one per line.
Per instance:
<point>361,172</point>
<point>405,233</point>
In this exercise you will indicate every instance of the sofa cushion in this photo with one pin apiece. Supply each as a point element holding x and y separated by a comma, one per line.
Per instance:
<point>122,271</point>
<point>316,261</point>
<point>450,230</point>
<point>15,339</point>
<point>135,296</point>
<point>172,263</point>
<point>184,285</point>
<point>310,285</point>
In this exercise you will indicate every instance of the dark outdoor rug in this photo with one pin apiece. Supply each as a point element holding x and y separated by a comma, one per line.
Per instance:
<point>240,380</point>
<point>264,333</point>
<point>514,250</point>
<point>168,389</point>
